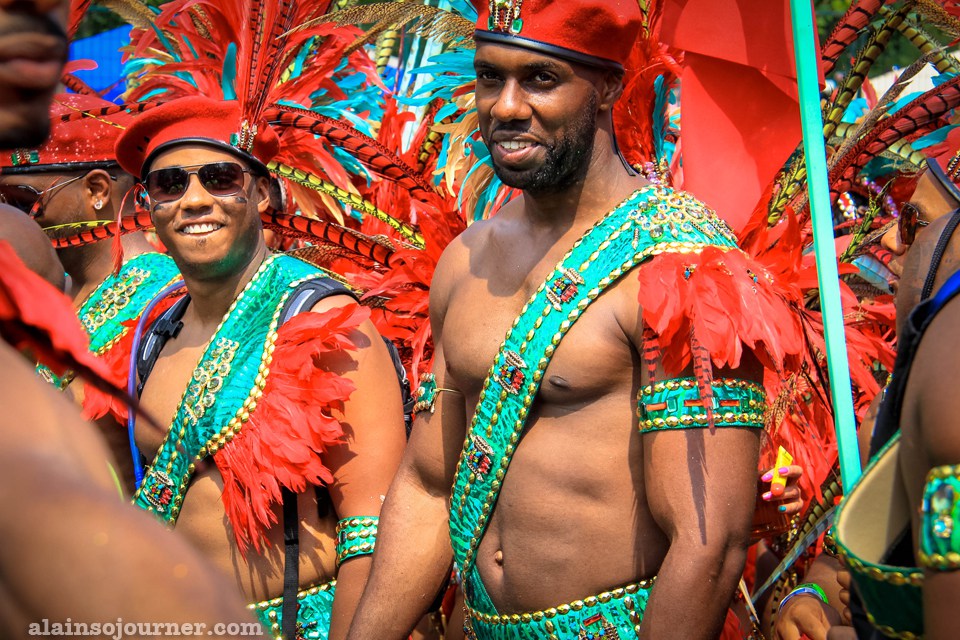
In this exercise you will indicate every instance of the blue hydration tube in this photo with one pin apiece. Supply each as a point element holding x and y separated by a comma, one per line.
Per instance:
<point>132,378</point>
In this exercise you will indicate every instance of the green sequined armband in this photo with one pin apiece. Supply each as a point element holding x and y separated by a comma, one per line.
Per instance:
<point>939,535</point>
<point>356,537</point>
<point>676,404</point>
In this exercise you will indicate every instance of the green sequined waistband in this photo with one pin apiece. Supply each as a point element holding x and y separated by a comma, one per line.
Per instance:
<point>313,615</point>
<point>610,615</point>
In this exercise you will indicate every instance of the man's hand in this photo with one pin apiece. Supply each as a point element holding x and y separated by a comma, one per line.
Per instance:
<point>805,616</point>
<point>787,499</point>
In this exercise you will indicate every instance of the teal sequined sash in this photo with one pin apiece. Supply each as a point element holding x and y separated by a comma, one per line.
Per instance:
<point>123,296</point>
<point>226,384</point>
<point>651,221</point>
<point>120,298</point>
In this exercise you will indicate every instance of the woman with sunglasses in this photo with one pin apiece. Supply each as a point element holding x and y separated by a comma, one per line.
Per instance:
<point>284,409</point>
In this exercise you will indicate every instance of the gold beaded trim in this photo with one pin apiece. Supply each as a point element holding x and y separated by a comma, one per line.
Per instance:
<point>276,602</point>
<point>563,609</point>
<point>890,632</point>
<point>755,417</point>
<point>365,537</point>
<point>896,578</point>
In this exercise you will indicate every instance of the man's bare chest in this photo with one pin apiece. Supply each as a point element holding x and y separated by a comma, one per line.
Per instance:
<point>165,388</point>
<point>595,354</point>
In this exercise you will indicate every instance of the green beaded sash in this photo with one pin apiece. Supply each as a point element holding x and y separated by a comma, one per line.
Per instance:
<point>226,384</point>
<point>870,520</point>
<point>120,298</point>
<point>652,220</point>
<point>123,296</point>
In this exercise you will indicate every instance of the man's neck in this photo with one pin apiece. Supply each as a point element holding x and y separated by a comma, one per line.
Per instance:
<point>210,298</point>
<point>603,186</point>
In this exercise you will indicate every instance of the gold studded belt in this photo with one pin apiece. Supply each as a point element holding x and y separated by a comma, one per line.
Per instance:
<point>611,614</point>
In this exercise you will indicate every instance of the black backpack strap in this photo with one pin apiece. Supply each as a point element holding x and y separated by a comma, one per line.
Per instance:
<point>938,252</point>
<point>165,327</point>
<point>302,299</point>
<point>291,565</point>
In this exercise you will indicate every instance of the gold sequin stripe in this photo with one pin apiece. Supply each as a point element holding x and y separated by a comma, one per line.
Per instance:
<point>275,629</point>
<point>757,416</point>
<point>623,593</point>
<point>637,258</point>
<point>356,537</point>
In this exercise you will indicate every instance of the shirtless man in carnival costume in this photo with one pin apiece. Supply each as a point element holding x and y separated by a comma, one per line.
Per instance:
<point>282,400</point>
<point>632,466</point>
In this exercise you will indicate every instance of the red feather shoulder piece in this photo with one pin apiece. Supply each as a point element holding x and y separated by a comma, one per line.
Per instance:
<point>724,300</point>
<point>293,424</point>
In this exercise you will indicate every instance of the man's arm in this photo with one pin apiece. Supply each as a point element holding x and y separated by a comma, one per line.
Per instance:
<point>701,488</point>
<point>365,464</point>
<point>413,556</point>
<point>931,439</point>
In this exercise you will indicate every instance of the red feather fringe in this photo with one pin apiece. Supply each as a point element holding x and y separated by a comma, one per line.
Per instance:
<point>283,442</point>
<point>36,317</point>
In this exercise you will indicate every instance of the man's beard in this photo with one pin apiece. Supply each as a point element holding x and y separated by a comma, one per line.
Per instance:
<point>566,161</point>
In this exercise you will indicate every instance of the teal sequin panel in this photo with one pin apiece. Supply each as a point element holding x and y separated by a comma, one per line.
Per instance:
<point>223,385</point>
<point>122,297</point>
<point>676,404</point>
<point>940,517</point>
<point>356,536</point>
<point>313,614</point>
<point>426,393</point>
<point>652,220</point>
<point>612,615</point>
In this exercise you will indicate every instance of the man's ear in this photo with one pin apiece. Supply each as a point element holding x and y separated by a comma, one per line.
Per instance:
<point>262,194</point>
<point>611,88</point>
<point>97,190</point>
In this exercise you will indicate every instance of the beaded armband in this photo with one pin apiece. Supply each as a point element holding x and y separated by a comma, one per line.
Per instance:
<point>676,404</point>
<point>356,537</point>
<point>939,537</point>
<point>427,393</point>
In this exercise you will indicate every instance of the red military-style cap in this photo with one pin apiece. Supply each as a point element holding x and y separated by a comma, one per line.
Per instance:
<point>593,32</point>
<point>944,162</point>
<point>83,132</point>
<point>195,120</point>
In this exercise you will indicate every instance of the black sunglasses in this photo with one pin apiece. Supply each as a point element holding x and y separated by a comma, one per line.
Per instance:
<point>29,200</point>
<point>220,179</point>
<point>908,222</point>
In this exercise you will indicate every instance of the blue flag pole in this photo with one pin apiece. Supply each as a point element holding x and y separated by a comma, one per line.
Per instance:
<point>806,51</point>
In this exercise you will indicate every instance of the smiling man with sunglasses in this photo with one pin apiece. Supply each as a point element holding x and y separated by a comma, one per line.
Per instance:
<point>286,424</point>
<point>73,179</point>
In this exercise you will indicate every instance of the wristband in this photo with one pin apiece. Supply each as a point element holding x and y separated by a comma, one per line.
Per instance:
<point>807,587</point>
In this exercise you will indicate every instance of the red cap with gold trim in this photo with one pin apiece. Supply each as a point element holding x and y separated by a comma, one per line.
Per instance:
<point>599,33</point>
<point>944,162</point>
<point>195,120</point>
<point>83,132</point>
